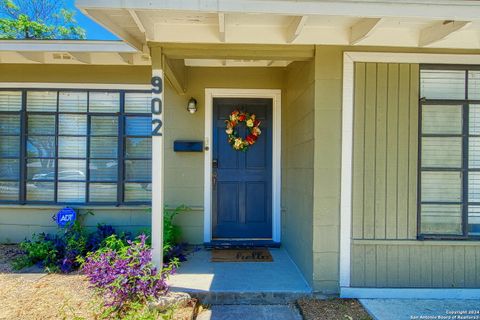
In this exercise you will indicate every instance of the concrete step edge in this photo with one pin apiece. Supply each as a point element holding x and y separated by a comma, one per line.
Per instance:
<point>251,298</point>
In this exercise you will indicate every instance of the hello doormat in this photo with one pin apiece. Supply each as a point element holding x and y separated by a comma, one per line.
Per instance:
<point>241,255</point>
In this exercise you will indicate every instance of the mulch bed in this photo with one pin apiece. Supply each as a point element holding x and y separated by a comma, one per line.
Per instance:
<point>51,296</point>
<point>8,252</point>
<point>332,309</point>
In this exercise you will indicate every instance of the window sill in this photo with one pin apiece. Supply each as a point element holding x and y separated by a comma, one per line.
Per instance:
<point>81,207</point>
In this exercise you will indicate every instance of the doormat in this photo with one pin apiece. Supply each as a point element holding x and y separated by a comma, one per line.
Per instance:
<point>241,255</point>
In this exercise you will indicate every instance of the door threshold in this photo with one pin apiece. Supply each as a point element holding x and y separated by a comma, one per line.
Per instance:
<point>241,243</point>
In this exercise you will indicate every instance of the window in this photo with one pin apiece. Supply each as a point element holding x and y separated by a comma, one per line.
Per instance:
<point>449,178</point>
<point>74,146</point>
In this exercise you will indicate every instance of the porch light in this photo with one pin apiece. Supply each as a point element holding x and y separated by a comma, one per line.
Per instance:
<point>192,106</point>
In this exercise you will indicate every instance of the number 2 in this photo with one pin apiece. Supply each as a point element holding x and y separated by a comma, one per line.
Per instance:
<point>158,125</point>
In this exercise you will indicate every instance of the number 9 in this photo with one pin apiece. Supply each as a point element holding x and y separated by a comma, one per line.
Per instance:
<point>157,84</point>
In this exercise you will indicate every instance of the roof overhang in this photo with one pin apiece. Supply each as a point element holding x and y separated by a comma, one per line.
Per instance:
<point>405,23</point>
<point>71,52</point>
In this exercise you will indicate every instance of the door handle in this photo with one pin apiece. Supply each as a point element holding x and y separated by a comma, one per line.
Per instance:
<point>214,180</point>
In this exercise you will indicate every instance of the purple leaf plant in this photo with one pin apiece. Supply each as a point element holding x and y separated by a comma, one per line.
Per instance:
<point>126,275</point>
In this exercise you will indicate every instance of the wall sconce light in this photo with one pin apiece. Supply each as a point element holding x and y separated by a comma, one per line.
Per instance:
<point>192,106</point>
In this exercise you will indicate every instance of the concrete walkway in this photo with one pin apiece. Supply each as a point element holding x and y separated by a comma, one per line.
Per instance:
<point>409,309</point>
<point>274,282</point>
<point>248,312</point>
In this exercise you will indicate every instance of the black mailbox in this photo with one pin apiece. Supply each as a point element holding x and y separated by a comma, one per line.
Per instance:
<point>187,146</point>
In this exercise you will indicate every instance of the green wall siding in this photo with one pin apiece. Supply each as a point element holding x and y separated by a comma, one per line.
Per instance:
<point>297,164</point>
<point>20,222</point>
<point>327,160</point>
<point>183,171</point>
<point>385,252</point>
<point>54,73</point>
<point>385,151</point>
<point>415,264</point>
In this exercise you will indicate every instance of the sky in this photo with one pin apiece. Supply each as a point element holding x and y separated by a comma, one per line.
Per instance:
<point>93,30</point>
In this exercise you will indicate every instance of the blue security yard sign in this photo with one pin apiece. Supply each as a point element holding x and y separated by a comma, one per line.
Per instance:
<point>65,216</point>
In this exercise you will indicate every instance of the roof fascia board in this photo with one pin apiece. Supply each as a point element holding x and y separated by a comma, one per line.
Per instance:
<point>65,46</point>
<point>446,9</point>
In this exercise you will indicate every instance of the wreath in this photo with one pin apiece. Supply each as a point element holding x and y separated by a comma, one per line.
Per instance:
<point>252,124</point>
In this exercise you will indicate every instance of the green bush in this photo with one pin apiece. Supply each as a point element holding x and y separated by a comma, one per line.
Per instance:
<point>39,250</point>
<point>171,232</point>
<point>65,251</point>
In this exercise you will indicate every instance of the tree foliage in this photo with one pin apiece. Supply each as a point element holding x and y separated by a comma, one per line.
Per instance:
<point>38,19</point>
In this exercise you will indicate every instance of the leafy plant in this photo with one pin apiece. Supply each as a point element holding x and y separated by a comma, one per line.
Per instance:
<point>126,275</point>
<point>96,238</point>
<point>38,19</point>
<point>40,251</point>
<point>60,252</point>
<point>172,233</point>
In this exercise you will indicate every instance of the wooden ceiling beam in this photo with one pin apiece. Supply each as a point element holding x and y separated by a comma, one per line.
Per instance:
<point>440,31</point>
<point>295,28</point>
<point>363,29</point>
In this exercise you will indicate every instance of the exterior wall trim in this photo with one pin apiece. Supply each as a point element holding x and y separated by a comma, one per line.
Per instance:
<point>83,85</point>
<point>349,59</point>
<point>275,95</point>
<point>414,293</point>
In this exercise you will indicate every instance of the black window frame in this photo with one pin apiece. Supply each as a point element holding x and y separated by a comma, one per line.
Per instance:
<point>464,169</point>
<point>121,138</point>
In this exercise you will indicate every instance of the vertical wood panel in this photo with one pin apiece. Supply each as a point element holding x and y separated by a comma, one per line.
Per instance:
<point>358,150</point>
<point>415,266</point>
<point>448,267</point>
<point>369,152</point>
<point>403,148</point>
<point>425,266</point>
<point>404,266</point>
<point>358,266</point>
<point>370,266</point>
<point>413,152</point>
<point>470,267</point>
<point>459,266</point>
<point>392,123</point>
<point>477,265</point>
<point>381,266</point>
<point>437,266</point>
<point>381,150</point>
<point>392,266</point>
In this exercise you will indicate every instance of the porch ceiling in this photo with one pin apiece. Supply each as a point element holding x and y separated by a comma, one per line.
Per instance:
<point>421,23</point>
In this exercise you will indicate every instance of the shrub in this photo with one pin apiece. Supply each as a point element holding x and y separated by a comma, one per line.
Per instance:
<point>171,234</point>
<point>65,251</point>
<point>40,251</point>
<point>58,252</point>
<point>95,239</point>
<point>126,275</point>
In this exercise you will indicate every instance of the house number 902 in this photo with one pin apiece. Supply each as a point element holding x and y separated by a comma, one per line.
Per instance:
<point>156,104</point>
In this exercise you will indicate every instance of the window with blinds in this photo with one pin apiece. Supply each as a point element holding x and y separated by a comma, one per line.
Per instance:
<point>449,188</point>
<point>73,146</point>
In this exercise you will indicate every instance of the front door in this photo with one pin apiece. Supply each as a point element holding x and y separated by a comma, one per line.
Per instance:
<point>242,180</point>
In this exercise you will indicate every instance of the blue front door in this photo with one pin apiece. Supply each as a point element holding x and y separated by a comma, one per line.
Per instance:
<point>242,181</point>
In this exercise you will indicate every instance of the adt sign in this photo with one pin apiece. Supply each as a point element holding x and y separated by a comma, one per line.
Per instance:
<point>66,216</point>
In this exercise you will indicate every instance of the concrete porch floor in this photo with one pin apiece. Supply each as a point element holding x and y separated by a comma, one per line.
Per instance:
<point>274,282</point>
